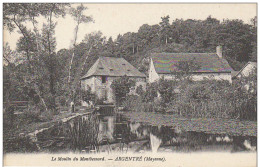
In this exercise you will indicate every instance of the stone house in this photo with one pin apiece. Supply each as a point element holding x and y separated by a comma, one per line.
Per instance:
<point>211,66</point>
<point>106,69</point>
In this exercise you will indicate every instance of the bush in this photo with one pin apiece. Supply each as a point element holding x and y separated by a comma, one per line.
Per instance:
<point>136,103</point>
<point>206,98</point>
<point>121,87</point>
<point>87,95</point>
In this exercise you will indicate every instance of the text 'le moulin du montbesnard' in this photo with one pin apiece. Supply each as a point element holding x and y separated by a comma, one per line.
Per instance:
<point>138,158</point>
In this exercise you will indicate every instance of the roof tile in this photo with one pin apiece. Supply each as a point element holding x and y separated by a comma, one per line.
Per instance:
<point>119,66</point>
<point>208,62</point>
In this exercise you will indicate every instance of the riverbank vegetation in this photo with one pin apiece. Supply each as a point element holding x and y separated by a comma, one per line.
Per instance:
<point>203,99</point>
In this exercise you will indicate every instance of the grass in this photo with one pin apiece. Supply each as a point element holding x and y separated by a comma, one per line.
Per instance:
<point>207,125</point>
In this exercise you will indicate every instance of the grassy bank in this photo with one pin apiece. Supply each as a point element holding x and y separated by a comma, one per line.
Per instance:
<point>207,125</point>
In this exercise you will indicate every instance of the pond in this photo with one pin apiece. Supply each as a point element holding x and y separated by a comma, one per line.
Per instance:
<point>120,134</point>
<point>109,132</point>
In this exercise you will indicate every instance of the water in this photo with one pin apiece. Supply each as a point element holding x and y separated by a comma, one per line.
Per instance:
<point>115,133</point>
<point>116,130</point>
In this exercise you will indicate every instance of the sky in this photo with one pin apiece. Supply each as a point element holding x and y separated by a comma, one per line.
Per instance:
<point>114,19</point>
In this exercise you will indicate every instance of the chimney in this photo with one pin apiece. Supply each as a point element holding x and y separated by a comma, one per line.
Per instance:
<point>219,51</point>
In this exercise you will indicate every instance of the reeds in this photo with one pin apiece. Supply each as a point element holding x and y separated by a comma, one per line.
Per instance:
<point>83,132</point>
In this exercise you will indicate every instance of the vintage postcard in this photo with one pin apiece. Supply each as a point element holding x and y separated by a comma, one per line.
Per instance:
<point>130,84</point>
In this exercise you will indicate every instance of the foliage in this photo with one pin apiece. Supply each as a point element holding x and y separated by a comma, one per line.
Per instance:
<point>140,90</point>
<point>79,17</point>
<point>151,92</point>
<point>166,89</point>
<point>204,99</point>
<point>185,69</point>
<point>87,95</point>
<point>136,103</point>
<point>121,87</point>
<point>38,49</point>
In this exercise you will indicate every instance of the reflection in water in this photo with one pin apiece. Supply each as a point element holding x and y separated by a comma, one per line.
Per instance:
<point>106,128</point>
<point>155,142</point>
<point>139,137</point>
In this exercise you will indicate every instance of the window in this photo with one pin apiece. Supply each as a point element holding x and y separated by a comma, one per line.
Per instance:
<point>104,78</point>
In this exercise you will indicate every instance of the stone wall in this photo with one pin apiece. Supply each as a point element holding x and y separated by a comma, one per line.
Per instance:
<point>103,90</point>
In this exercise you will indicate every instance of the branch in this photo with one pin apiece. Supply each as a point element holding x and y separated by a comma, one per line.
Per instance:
<point>26,37</point>
<point>6,59</point>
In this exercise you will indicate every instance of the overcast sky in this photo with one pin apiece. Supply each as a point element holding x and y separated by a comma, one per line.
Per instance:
<point>114,19</point>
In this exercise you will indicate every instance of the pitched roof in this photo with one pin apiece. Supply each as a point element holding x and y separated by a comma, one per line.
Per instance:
<point>112,66</point>
<point>208,62</point>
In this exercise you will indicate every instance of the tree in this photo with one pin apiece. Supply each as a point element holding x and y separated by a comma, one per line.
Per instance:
<point>79,17</point>
<point>11,56</point>
<point>165,28</point>
<point>39,50</point>
<point>93,43</point>
<point>184,69</point>
<point>121,87</point>
<point>253,56</point>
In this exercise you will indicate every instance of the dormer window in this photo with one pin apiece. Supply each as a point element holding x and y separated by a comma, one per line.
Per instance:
<point>123,64</point>
<point>101,68</point>
<point>128,70</point>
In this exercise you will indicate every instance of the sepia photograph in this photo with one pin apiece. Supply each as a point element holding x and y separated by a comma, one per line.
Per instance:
<point>129,84</point>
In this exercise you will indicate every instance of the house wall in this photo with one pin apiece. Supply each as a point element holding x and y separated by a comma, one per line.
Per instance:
<point>201,76</point>
<point>88,82</point>
<point>247,70</point>
<point>103,90</point>
<point>153,76</point>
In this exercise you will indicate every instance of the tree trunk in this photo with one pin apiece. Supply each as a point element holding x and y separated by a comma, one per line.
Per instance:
<point>30,64</point>
<point>51,68</point>
<point>73,54</point>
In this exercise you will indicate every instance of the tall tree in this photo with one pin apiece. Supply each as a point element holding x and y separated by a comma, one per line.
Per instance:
<point>79,18</point>
<point>18,15</point>
<point>165,28</point>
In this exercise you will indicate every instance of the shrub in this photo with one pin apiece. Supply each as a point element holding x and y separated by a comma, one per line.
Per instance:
<point>87,95</point>
<point>133,103</point>
<point>206,98</point>
<point>139,90</point>
<point>121,87</point>
<point>150,93</point>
